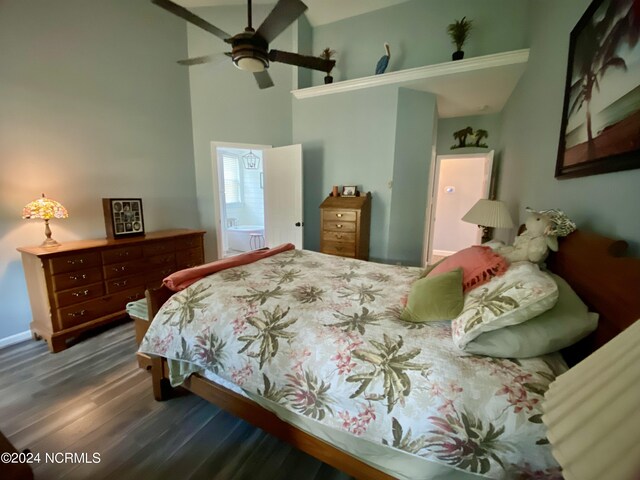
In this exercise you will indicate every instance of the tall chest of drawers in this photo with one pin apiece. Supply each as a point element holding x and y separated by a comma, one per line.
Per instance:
<point>345,226</point>
<point>81,285</point>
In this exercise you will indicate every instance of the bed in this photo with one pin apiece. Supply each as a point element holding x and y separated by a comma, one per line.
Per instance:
<point>356,387</point>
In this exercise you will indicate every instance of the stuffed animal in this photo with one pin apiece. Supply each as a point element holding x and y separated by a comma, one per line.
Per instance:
<point>534,243</point>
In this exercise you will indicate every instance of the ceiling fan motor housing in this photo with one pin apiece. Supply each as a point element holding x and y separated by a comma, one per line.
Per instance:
<point>249,51</point>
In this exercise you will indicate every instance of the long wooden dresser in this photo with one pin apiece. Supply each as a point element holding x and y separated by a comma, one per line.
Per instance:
<point>81,285</point>
<point>345,224</point>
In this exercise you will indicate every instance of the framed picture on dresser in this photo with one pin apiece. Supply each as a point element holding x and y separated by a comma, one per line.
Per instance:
<point>123,217</point>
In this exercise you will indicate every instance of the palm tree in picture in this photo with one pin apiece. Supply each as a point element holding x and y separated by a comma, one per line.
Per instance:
<point>481,135</point>
<point>461,137</point>
<point>596,51</point>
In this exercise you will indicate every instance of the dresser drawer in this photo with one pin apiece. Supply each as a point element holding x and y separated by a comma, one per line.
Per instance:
<point>189,258</point>
<point>157,248</point>
<point>185,243</point>
<point>154,279</point>
<point>339,226</point>
<point>70,263</point>
<point>116,255</point>
<point>99,307</point>
<point>77,295</point>
<point>341,215</point>
<point>64,281</point>
<point>339,236</point>
<point>120,284</point>
<point>339,248</point>
<point>117,270</point>
<point>160,261</point>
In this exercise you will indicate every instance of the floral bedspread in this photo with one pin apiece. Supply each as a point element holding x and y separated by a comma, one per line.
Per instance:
<point>321,336</point>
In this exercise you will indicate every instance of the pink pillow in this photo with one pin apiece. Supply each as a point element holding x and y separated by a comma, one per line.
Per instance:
<point>479,265</point>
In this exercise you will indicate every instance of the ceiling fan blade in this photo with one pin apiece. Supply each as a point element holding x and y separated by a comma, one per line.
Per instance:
<point>213,59</point>
<point>283,14</point>
<point>305,61</point>
<point>182,12</point>
<point>264,79</point>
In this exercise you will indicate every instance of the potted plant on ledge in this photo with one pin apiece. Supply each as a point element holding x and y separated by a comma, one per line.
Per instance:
<point>328,54</point>
<point>459,32</point>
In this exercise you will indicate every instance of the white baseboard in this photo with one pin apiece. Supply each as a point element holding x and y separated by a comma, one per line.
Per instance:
<point>17,338</point>
<point>443,253</point>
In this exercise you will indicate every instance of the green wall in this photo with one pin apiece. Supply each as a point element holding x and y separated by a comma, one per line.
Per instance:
<point>415,129</point>
<point>531,120</point>
<point>92,105</point>
<point>416,33</point>
<point>348,139</point>
<point>228,106</point>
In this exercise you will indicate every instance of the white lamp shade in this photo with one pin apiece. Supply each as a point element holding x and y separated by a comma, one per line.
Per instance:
<point>489,213</point>
<point>592,413</point>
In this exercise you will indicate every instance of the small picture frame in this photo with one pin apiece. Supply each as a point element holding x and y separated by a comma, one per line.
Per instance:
<point>349,191</point>
<point>123,217</point>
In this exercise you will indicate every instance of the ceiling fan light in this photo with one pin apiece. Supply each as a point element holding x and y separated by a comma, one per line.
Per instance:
<point>250,64</point>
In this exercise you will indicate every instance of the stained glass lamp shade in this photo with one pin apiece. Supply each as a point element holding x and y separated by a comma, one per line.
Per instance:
<point>46,209</point>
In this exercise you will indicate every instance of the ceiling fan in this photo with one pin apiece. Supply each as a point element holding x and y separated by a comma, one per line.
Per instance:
<point>250,48</point>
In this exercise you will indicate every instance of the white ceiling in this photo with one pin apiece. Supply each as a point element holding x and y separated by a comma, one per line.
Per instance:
<point>320,12</point>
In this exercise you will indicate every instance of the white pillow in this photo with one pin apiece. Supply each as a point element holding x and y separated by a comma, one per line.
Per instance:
<point>522,293</point>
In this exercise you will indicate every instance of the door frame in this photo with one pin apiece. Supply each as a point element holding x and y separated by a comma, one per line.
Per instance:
<point>217,174</point>
<point>434,176</point>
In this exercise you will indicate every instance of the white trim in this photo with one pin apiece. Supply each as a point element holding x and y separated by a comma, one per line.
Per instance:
<point>443,253</point>
<point>412,74</point>
<point>13,339</point>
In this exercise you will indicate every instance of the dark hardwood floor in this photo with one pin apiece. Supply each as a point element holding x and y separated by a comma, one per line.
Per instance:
<point>93,398</point>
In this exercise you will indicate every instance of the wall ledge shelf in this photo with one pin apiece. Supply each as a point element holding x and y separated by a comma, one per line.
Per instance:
<point>499,73</point>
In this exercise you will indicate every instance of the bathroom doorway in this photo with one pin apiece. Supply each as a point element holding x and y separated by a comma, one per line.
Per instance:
<point>241,199</point>
<point>258,196</point>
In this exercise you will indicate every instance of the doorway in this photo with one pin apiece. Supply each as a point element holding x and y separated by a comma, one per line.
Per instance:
<point>459,181</point>
<point>258,195</point>
<point>241,187</point>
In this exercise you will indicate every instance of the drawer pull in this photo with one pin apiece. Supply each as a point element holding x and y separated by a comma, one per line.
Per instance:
<point>82,293</point>
<point>73,262</point>
<point>81,313</point>
<point>121,284</point>
<point>338,236</point>
<point>133,297</point>
<point>339,215</point>
<point>77,277</point>
<point>119,269</point>
<point>339,248</point>
<point>339,225</point>
<point>123,254</point>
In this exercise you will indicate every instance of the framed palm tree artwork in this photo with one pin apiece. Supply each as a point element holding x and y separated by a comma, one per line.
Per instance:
<point>600,130</point>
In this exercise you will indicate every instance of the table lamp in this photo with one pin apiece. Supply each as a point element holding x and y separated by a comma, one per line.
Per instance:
<point>46,209</point>
<point>488,214</point>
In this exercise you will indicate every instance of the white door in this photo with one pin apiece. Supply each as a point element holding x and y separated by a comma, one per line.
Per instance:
<point>283,197</point>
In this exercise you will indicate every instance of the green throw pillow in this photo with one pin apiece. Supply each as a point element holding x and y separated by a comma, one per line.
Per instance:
<point>435,298</point>
<point>561,326</point>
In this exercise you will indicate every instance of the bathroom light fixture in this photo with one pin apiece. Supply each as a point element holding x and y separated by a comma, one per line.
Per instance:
<point>46,209</point>
<point>251,161</point>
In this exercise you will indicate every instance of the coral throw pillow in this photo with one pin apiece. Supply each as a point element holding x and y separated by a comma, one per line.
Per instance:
<point>479,265</point>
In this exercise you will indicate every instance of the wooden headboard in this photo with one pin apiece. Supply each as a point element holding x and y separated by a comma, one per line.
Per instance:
<point>607,282</point>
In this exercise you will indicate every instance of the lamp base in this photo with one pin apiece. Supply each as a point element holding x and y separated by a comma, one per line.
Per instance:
<point>487,233</point>
<point>49,242</point>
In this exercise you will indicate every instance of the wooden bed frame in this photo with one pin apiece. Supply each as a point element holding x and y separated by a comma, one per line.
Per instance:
<point>593,265</point>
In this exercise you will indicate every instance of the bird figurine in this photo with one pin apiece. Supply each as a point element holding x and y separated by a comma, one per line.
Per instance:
<point>384,60</point>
